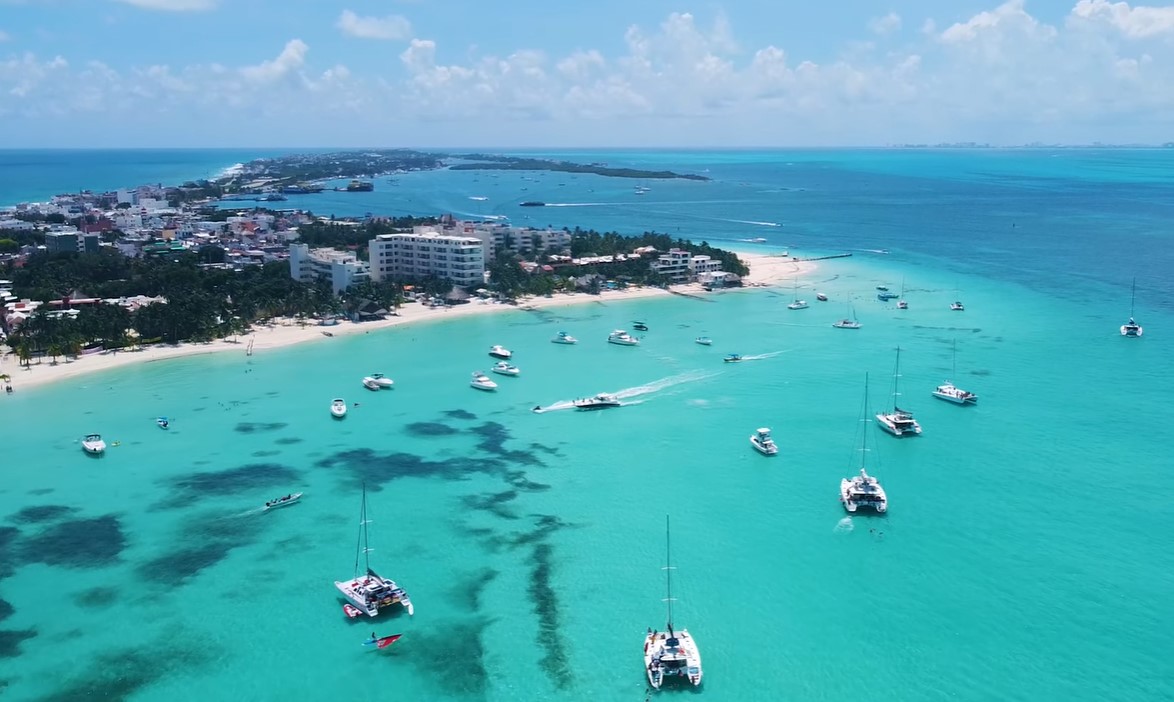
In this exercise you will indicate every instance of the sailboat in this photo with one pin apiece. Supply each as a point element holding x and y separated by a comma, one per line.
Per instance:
<point>957,305</point>
<point>797,304</point>
<point>901,303</point>
<point>899,422</point>
<point>846,323</point>
<point>1132,328</point>
<point>863,490</point>
<point>670,653</point>
<point>952,393</point>
<point>370,592</point>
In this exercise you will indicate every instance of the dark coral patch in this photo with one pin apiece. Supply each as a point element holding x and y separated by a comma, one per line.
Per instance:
<point>97,597</point>
<point>460,414</point>
<point>468,591</point>
<point>288,440</point>
<point>233,480</point>
<point>495,503</point>
<point>10,641</point>
<point>545,600</point>
<point>493,437</point>
<point>258,427</point>
<point>78,543</point>
<point>431,429</point>
<point>6,609</point>
<point>375,470</point>
<point>123,675</point>
<point>40,513</point>
<point>432,652</point>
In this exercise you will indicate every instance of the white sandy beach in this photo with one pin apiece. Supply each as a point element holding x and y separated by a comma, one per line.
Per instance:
<point>765,270</point>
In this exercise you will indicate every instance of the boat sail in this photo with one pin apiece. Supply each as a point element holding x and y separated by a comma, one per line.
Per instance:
<point>670,653</point>
<point>370,592</point>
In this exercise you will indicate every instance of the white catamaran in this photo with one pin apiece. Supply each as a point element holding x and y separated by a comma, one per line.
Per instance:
<point>899,422</point>
<point>670,653</point>
<point>863,491</point>
<point>1132,328</point>
<point>950,392</point>
<point>370,592</point>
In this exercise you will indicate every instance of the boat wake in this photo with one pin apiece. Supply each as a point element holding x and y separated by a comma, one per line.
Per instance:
<point>762,356</point>
<point>633,395</point>
<point>751,221</point>
<point>478,198</point>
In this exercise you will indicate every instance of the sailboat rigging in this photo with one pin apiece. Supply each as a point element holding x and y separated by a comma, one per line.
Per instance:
<point>1132,328</point>
<point>952,393</point>
<point>863,490</point>
<point>796,303</point>
<point>369,592</point>
<point>670,653</point>
<point>899,422</point>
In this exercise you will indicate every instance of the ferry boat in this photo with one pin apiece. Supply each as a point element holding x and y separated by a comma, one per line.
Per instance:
<point>863,490</point>
<point>601,401</point>
<point>370,592</point>
<point>622,338</point>
<point>899,422</point>
<point>360,186</point>
<point>670,653</point>
<point>763,443</point>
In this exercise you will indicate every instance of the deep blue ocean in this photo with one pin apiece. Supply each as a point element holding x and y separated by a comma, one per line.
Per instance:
<point>1026,554</point>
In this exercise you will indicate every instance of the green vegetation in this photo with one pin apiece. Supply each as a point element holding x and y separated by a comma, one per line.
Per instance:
<point>491,162</point>
<point>301,168</point>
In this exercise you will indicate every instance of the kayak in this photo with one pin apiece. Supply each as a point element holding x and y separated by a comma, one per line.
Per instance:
<point>383,641</point>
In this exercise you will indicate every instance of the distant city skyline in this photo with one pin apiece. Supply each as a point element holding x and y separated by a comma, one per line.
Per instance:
<point>458,73</point>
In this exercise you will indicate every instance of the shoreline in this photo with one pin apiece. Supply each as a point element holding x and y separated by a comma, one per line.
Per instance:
<point>766,270</point>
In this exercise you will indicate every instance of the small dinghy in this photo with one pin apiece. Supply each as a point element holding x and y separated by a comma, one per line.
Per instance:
<point>338,407</point>
<point>351,611</point>
<point>283,501</point>
<point>163,422</point>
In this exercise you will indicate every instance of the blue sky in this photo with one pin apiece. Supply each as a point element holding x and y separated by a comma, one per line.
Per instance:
<point>605,73</point>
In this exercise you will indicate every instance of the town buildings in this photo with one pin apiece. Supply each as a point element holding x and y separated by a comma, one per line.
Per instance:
<point>342,268</point>
<point>428,253</point>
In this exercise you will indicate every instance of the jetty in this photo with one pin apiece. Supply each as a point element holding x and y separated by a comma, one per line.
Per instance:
<point>824,258</point>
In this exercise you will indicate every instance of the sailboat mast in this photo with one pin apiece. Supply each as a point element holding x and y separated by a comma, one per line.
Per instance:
<point>1132,297</point>
<point>668,570</point>
<point>954,362</point>
<point>864,430</point>
<point>366,536</point>
<point>362,522</point>
<point>897,379</point>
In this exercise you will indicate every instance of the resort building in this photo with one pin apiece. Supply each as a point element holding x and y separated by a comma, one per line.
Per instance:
<point>674,265</point>
<point>342,268</point>
<point>426,253</point>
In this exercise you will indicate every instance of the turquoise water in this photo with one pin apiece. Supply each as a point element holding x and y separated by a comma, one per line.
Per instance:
<point>1025,555</point>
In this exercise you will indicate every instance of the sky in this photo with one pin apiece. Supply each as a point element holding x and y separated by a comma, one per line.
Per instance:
<point>605,73</point>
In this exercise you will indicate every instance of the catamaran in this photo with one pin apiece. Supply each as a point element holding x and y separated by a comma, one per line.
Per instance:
<point>952,393</point>
<point>863,490</point>
<point>796,303</point>
<point>670,653</point>
<point>370,592</point>
<point>899,422</point>
<point>1132,328</point>
<point>846,323</point>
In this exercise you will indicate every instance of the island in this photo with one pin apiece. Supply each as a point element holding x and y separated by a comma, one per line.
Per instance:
<point>493,162</point>
<point>297,173</point>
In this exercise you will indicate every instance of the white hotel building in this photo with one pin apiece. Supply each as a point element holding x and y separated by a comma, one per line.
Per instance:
<point>421,254</point>
<point>342,268</point>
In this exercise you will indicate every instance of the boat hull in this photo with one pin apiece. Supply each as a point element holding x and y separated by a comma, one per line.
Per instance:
<point>623,342</point>
<point>764,449</point>
<point>277,504</point>
<point>898,429</point>
<point>952,398</point>
<point>1126,330</point>
<point>662,663</point>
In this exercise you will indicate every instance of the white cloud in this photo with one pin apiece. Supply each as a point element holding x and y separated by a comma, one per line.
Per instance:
<point>1136,22</point>
<point>885,25</point>
<point>393,27</point>
<point>291,58</point>
<point>4,36</point>
<point>173,5</point>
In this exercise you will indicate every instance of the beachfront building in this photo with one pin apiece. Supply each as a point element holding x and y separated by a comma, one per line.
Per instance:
<point>342,268</point>
<point>673,265</point>
<point>427,253</point>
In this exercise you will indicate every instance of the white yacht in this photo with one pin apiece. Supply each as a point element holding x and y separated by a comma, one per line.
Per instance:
<point>600,401</point>
<point>763,443</point>
<point>501,352</point>
<point>670,653</point>
<point>796,303</point>
<point>899,422</point>
<point>863,490</point>
<point>564,338</point>
<point>370,592</point>
<point>381,380</point>
<point>338,407</point>
<point>503,368</point>
<point>93,444</point>
<point>847,324</point>
<point>1132,328</point>
<point>952,393</point>
<point>482,381</point>
<point>283,501</point>
<point>370,384</point>
<point>622,338</point>
<point>704,341</point>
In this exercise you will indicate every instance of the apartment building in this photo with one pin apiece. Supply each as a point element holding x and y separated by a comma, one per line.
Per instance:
<point>425,253</point>
<point>342,268</point>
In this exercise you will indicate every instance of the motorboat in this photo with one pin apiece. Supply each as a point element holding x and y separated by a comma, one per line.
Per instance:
<point>370,592</point>
<point>338,407</point>
<point>952,393</point>
<point>957,306</point>
<point>162,422</point>
<point>370,384</point>
<point>733,358</point>
<point>886,296</point>
<point>382,380</point>
<point>601,401</point>
<point>798,305</point>
<point>821,297</point>
<point>622,338</point>
<point>704,341</point>
<point>763,443</point>
<point>863,491</point>
<point>285,501</point>
<point>670,653</point>
<point>501,352</point>
<point>898,422</point>
<point>882,288</point>
<point>503,368</point>
<point>639,326</point>
<point>1132,328</point>
<point>482,382</point>
<point>93,444</point>
<point>564,338</point>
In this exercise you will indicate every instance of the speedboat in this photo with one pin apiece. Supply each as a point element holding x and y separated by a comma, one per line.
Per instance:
<point>503,368</point>
<point>863,491</point>
<point>501,352</point>
<point>622,338</point>
<point>370,384</point>
<point>382,380</point>
<point>564,338</point>
<point>798,305</point>
<point>639,326</point>
<point>93,444</point>
<point>957,306</point>
<point>951,393</point>
<point>763,443</point>
<point>821,297</point>
<point>733,358</point>
<point>600,401</point>
<point>847,324</point>
<point>162,422</point>
<point>338,407</point>
<point>482,381</point>
<point>704,340</point>
<point>370,592</point>
<point>283,501</point>
<point>670,653</point>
